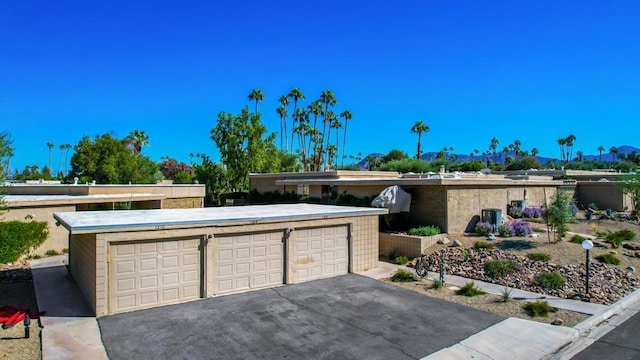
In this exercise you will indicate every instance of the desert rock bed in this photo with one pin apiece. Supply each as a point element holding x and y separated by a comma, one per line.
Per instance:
<point>608,284</point>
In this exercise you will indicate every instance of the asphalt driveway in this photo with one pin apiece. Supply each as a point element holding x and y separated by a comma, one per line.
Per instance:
<point>347,317</point>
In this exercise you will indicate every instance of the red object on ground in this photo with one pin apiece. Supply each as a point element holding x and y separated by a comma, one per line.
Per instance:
<point>10,316</point>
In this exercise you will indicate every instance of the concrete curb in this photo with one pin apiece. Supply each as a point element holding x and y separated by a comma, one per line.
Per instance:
<point>613,309</point>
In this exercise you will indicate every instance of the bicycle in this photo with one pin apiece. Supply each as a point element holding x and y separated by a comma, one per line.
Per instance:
<point>422,267</point>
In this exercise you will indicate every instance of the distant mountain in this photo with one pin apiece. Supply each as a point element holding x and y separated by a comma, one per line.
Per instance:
<point>500,157</point>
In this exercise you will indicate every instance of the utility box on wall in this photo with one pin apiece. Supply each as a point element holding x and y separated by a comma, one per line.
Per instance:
<point>492,216</point>
<point>519,204</point>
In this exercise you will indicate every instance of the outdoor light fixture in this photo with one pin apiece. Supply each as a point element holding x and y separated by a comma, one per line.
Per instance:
<point>587,245</point>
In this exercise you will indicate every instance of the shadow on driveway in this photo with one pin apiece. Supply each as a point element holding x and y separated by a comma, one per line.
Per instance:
<point>347,317</point>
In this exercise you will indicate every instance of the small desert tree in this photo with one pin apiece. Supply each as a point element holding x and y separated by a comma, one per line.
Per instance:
<point>558,213</point>
<point>5,153</point>
<point>630,186</point>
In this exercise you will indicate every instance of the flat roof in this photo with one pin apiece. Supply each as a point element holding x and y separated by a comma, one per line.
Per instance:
<point>44,200</point>
<point>120,220</point>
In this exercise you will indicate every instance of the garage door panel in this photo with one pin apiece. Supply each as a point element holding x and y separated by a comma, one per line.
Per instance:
<point>248,261</point>
<point>153,273</point>
<point>321,253</point>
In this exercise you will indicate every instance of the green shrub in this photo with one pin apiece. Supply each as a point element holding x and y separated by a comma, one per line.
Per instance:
<point>578,239</point>
<point>402,276</point>
<point>505,230</point>
<point>500,268</point>
<point>610,259</point>
<point>18,238</point>
<point>51,253</point>
<point>539,256</point>
<point>618,237</point>
<point>401,260</point>
<point>437,284</point>
<point>470,289</point>
<point>65,251</point>
<point>480,244</point>
<point>506,294</point>
<point>538,308</point>
<point>549,280</point>
<point>425,231</point>
<point>391,254</point>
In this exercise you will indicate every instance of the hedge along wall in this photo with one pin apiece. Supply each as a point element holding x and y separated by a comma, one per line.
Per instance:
<point>18,237</point>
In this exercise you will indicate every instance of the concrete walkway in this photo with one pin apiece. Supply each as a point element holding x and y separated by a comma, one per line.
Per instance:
<point>543,341</point>
<point>69,329</point>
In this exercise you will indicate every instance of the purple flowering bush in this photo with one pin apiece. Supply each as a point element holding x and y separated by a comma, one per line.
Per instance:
<point>514,211</point>
<point>505,230</point>
<point>484,228</point>
<point>521,228</point>
<point>532,212</point>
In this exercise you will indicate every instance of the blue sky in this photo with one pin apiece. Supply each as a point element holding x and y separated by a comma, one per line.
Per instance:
<point>472,70</point>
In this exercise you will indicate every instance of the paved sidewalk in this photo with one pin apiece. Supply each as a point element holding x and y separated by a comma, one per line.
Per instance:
<point>69,329</point>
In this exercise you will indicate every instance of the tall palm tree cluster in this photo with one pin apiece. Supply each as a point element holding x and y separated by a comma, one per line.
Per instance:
<point>64,153</point>
<point>566,148</point>
<point>310,128</point>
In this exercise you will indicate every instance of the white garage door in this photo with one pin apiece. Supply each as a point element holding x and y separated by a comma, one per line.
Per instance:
<point>152,273</point>
<point>321,253</point>
<point>248,261</point>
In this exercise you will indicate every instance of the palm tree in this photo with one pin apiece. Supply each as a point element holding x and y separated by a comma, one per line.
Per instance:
<point>494,147</point>
<point>296,95</point>
<point>327,98</point>
<point>282,112</point>
<point>600,150</point>
<point>257,96</point>
<point>534,153</point>
<point>569,141</point>
<point>614,151</point>
<point>337,125</point>
<point>419,127</point>
<point>516,148</point>
<point>301,130</point>
<point>62,148</point>
<point>137,139</point>
<point>315,108</point>
<point>562,142</point>
<point>66,158</point>
<point>331,118</point>
<point>50,146</point>
<point>9,154</point>
<point>346,115</point>
<point>579,155</point>
<point>284,101</point>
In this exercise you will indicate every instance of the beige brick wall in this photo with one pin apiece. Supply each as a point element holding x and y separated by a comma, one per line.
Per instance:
<point>429,206</point>
<point>407,245</point>
<point>606,195</point>
<point>183,203</point>
<point>83,265</point>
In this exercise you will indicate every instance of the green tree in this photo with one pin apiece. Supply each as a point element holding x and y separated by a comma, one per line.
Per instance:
<point>418,128</point>
<point>108,160</point>
<point>524,163</point>
<point>243,147</point>
<point>67,147</point>
<point>562,142</point>
<point>213,176</point>
<point>315,108</point>
<point>614,151</point>
<point>630,186</point>
<point>394,154</point>
<point>257,96</point>
<point>284,102</point>
<point>137,139</point>
<point>558,213</point>
<point>569,141</point>
<point>60,173</point>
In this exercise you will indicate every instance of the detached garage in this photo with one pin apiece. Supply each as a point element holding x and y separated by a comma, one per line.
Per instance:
<point>130,260</point>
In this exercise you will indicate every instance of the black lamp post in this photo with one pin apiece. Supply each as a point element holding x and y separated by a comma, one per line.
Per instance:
<point>587,245</point>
